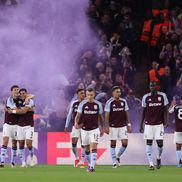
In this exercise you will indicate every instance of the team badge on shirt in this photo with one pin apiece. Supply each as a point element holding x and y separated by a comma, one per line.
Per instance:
<point>95,107</point>
<point>86,107</point>
<point>159,99</point>
<point>122,104</point>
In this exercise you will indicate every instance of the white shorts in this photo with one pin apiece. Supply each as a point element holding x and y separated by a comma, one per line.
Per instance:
<point>178,137</point>
<point>154,132</point>
<point>91,136</point>
<point>25,132</point>
<point>10,131</point>
<point>75,133</point>
<point>118,133</point>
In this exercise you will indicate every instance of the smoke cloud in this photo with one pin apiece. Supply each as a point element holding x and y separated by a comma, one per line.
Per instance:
<point>40,43</point>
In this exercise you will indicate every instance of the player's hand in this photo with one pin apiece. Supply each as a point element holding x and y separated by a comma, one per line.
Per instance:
<point>101,131</point>
<point>106,130</point>
<point>27,100</point>
<point>9,111</point>
<point>129,129</point>
<point>76,125</point>
<point>141,129</point>
<point>66,130</point>
<point>6,109</point>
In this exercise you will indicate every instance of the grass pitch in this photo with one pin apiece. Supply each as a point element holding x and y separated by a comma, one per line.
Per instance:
<point>62,173</point>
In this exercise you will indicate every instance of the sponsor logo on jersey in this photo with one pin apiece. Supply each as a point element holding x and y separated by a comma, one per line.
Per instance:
<point>155,104</point>
<point>118,109</point>
<point>90,112</point>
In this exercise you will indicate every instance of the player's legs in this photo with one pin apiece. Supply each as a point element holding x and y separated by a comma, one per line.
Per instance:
<point>123,136</point>
<point>87,153</point>
<point>21,140</point>
<point>179,154</point>
<point>82,153</point>
<point>85,136</point>
<point>14,145</point>
<point>29,144</point>
<point>4,150</point>
<point>178,142</point>
<point>149,153</point>
<point>113,152</point>
<point>8,131</point>
<point>94,138</point>
<point>13,152</point>
<point>75,134</point>
<point>159,153</point>
<point>113,134</point>
<point>124,144</point>
<point>149,136</point>
<point>22,152</point>
<point>75,150</point>
<point>82,156</point>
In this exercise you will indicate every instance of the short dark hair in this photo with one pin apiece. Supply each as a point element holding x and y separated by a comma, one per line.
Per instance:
<point>23,89</point>
<point>79,90</point>
<point>90,89</point>
<point>115,88</point>
<point>14,86</point>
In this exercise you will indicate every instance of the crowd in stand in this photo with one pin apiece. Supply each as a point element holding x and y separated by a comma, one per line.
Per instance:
<point>112,61</point>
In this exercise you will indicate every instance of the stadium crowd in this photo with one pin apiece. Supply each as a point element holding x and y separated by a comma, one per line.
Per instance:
<point>116,57</point>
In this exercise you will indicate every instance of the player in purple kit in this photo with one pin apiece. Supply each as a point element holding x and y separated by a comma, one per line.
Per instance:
<point>155,115</point>
<point>10,126</point>
<point>25,128</point>
<point>176,108</point>
<point>118,123</point>
<point>89,113</point>
<point>76,133</point>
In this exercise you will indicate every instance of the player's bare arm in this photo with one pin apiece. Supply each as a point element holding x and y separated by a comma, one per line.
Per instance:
<point>142,120</point>
<point>101,119</point>
<point>107,122</point>
<point>128,122</point>
<point>23,110</point>
<point>77,120</point>
<point>29,96</point>
<point>166,124</point>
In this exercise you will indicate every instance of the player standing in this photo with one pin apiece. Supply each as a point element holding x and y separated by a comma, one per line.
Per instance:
<point>10,126</point>
<point>25,129</point>
<point>176,108</point>
<point>155,115</point>
<point>76,133</point>
<point>89,113</point>
<point>118,123</point>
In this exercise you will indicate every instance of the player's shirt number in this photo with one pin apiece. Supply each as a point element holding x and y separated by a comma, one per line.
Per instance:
<point>180,114</point>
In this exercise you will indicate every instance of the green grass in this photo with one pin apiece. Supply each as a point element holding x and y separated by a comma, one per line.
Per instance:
<point>103,173</point>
